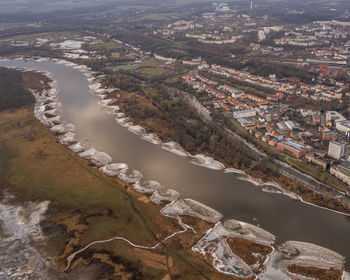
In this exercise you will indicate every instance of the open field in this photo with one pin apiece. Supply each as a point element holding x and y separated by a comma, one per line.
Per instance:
<point>153,71</point>
<point>124,67</point>
<point>103,46</point>
<point>148,64</point>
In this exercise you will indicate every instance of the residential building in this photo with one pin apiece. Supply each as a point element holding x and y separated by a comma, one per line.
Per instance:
<point>316,117</point>
<point>273,142</point>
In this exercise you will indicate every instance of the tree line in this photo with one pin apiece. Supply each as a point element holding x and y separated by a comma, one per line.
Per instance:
<point>12,93</point>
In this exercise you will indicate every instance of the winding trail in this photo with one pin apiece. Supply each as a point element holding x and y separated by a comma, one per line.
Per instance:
<point>99,176</point>
<point>183,225</point>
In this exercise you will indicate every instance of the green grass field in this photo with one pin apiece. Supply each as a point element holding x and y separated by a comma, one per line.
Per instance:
<point>153,71</point>
<point>124,67</point>
<point>148,64</point>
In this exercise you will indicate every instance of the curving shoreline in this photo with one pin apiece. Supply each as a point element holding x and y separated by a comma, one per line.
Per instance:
<point>67,138</point>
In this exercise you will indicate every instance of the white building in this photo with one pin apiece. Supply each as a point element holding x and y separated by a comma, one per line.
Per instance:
<point>343,126</point>
<point>261,35</point>
<point>245,122</point>
<point>167,60</point>
<point>333,116</point>
<point>244,114</point>
<point>342,171</point>
<point>336,149</point>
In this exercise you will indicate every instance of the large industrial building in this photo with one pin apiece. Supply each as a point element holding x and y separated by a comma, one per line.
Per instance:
<point>343,126</point>
<point>294,148</point>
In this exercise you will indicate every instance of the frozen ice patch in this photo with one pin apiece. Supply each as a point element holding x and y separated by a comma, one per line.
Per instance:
<point>208,162</point>
<point>67,138</point>
<point>190,207</point>
<point>162,195</point>
<point>175,148</point>
<point>224,260</point>
<point>152,138</point>
<point>137,129</point>
<point>114,169</point>
<point>134,177</point>
<point>96,157</point>
<point>233,170</point>
<point>147,187</point>
<point>77,147</point>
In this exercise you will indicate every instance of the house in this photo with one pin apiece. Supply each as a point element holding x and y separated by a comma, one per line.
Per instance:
<point>273,142</point>
<point>316,117</point>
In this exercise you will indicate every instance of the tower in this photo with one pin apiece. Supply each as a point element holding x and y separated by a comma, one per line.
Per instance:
<point>251,5</point>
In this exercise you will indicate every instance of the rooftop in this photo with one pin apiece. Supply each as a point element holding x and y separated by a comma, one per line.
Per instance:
<point>345,164</point>
<point>293,144</point>
<point>345,123</point>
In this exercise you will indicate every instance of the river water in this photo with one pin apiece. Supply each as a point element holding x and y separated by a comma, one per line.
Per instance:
<point>235,198</point>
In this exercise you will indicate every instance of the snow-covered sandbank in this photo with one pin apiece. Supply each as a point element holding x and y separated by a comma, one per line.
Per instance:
<point>137,129</point>
<point>77,147</point>
<point>96,157</point>
<point>272,187</point>
<point>134,177</point>
<point>62,128</point>
<point>307,254</point>
<point>114,169</point>
<point>224,260</point>
<point>175,148</point>
<point>148,187</point>
<point>208,162</point>
<point>190,207</point>
<point>152,138</point>
<point>162,195</point>
<point>234,170</point>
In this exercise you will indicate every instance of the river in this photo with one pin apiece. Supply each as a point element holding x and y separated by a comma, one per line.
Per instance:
<point>235,198</point>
